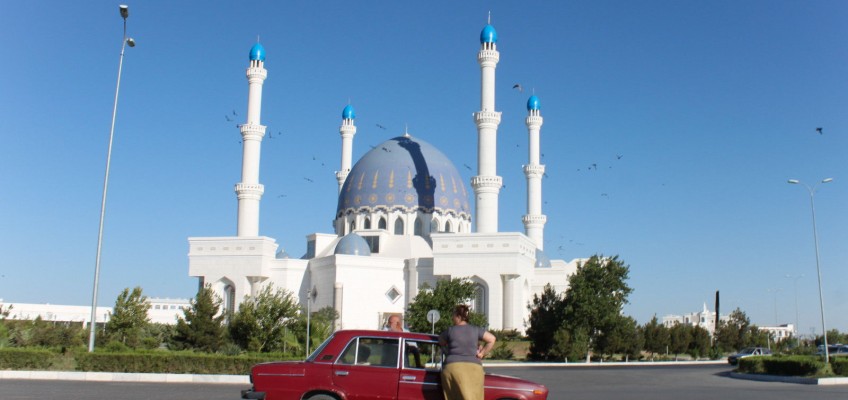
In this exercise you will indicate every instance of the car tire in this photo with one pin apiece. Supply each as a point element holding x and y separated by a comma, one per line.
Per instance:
<point>321,397</point>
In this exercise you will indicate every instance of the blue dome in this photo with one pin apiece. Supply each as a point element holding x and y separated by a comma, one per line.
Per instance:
<point>533,103</point>
<point>542,259</point>
<point>404,173</point>
<point>257,52</point>
<point>353,245</point>
<point>282,254</point>
<point>348,113</point>
<point>488,35</point>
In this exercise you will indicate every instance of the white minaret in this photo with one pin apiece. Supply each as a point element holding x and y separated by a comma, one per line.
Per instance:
<point>487,183</point>
<point>534,221</point>
<point>347,130</point>
<point>249,190</point>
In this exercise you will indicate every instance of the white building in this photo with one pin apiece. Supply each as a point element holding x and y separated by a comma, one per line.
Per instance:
<point>779,332</point>
<point>403,219</point>
<point>705,319</point>
<point>162,311</point>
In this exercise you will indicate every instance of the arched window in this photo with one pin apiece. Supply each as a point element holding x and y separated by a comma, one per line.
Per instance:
<point>478,302</point>
<point>230,299</point>
<point>419,227</point>
<point>382,223</point>
<point>448,227</point>
<point>399,226</point>
<point>352,226</point>
<point>367,223</point>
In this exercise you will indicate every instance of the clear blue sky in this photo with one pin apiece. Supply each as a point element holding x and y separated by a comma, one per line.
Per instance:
<point>692,115</point>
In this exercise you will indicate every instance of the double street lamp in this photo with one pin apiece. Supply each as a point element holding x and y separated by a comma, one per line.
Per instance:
<point>124,42</point>
<point>812,191</point>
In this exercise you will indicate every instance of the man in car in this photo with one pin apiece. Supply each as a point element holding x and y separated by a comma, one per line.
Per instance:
<point>396,324</point>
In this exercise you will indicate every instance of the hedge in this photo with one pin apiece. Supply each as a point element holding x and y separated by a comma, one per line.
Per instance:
<point>169,362</point>
<point>26,359</point>
<point>792,366</point>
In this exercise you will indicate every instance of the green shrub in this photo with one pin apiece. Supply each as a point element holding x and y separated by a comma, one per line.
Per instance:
<point>502,351</point>
<point>792,365</point>
<point>170,362</point>
<point>752,365</point>
<point>26,359</point>
<point>839,366</point>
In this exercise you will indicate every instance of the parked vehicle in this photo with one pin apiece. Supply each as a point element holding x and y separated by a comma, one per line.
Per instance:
<point>362,364</point>
<point>748,352</point>
<point>836,350</point>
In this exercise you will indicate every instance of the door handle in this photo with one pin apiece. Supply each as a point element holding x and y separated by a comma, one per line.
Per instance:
<point>342,373</point>
<point>408,377</point>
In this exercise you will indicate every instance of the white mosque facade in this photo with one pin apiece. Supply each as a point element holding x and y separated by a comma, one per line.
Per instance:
<point>403,220</point>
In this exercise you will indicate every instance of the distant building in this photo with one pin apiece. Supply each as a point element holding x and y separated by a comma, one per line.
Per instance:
<point>779,332</point>
<point>705,319</point>
<point>162,311</point>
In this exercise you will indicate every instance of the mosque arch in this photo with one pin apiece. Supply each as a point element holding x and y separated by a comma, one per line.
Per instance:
<point>352,226</point>
<point>435,225</point>
<point>367,224</point>
<point>480,298</point>
<point>419,227</point>
<point>228,305</point>
<point>448,227</point>
<point>382,223</point>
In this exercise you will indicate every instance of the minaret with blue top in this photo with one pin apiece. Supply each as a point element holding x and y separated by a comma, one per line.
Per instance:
<point>487,183</point>
<point>347,130</point>
<point>249,190</point>
<point>534,221</point>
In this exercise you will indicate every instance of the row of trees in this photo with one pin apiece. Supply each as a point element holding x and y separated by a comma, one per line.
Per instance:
<point>587,320</point>
<point>272,321</point>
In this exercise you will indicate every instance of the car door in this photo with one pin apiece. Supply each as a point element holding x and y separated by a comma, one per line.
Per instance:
<point>420,374</point>
<point>368,369</point>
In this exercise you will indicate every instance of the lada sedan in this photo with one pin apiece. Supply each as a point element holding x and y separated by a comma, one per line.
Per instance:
<point>362,364</point>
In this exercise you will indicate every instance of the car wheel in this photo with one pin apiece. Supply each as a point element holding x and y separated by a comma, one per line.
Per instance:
<point>321,397</point>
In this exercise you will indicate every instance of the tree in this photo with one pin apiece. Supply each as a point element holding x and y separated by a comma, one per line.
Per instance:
<point>622,337</point>
<point>129,317</point>
<point>680,337</point>
<point>656,336</point>
<point>260,323</point>
<point>570,345</point>
<point>735,333</point>
<point>546,315</point>
<point>699,342</point>
<point>595,296</point>
<point>443,298</point>
<point>202,328</point>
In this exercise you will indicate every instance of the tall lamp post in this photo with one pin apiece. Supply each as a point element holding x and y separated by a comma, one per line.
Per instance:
<point>812,191</point>
<point>124,42</point>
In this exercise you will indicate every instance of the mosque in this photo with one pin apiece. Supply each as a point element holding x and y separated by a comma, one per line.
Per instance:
<point>403,220</point>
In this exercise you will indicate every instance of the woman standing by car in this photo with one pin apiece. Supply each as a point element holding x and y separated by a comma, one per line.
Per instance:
<point>462,374</point>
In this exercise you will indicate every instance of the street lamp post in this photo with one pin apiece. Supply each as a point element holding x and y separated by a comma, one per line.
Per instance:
<point>812,191</point>
<point>124,42</point>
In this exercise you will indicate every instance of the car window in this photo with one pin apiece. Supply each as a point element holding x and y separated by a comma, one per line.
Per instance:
<point>422,354</point>
<point>381,352</point>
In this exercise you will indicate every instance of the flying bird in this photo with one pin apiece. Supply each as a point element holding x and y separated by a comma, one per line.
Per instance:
<point>234,113</point>
<point>381,127</point>
<point>518,86</point>
<point>618,156</point>
<point>228,118</point>
<point>819,130</point>
<point>467,166</point>
<point>308,180</point>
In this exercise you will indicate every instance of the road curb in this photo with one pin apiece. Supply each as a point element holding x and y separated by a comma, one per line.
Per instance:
<point>790,379</point>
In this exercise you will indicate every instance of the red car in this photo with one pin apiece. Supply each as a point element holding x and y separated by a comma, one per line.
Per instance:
<point>361,364</point>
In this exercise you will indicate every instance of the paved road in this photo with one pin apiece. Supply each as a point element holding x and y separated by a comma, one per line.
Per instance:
<point>608,383</point>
